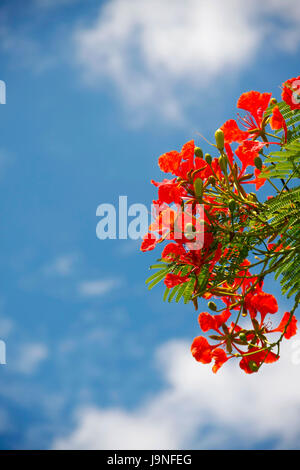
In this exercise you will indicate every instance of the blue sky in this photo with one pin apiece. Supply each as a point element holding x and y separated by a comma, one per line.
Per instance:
<point>96,91</point>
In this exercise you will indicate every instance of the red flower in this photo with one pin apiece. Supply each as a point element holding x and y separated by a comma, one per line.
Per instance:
<point>248,151</point>
<point>232,133</point>
<point>149,242</point>
<point>264,303</point>
<point>170,162</point>
<point>206,322</point>
<point>291,92</point>
<point>256,104</point>
<point>212,322</point>
<point>202,350</point>
<point>169,191</point>
<point>292,327</point>
<point>164,221</point>
<point>204,236</point>
<point>277,121</point>
<point>257,358</point>
<point>172,251</point>
<point>172,280</point>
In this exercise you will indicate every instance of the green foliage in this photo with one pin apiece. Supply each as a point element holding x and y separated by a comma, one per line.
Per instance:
<point>285,163</point>
<point>182,291</point>
<point>282,215</point>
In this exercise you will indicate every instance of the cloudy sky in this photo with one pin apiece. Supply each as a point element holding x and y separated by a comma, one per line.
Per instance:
<point>96,90</point>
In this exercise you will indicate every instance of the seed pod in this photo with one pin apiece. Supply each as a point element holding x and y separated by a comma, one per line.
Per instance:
<point>219,136</point>
<point>223,163</point>
<point>198,152</point>
<point>208,158</point>
<point>258,163</point>
<point>198,187</point>
<point>253,366</point>
<point>212,306</point>
<point>232,205</point>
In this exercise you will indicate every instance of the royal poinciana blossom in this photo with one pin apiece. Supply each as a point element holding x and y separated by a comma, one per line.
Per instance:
<point>220,241</point>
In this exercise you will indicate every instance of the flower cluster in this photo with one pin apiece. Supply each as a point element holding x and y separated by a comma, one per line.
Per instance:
<point>217,237</point>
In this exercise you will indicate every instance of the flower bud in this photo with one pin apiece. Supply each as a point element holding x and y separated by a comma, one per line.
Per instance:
<point>189,231</point>
<point>273,101</point>
<point>212,306</point>
<point>189,227</point>
<point>198,187</point>
<point>243,337</point>
<point>208,158</point>
<point>198,152</point>
<point>219,136</point>
<point>252,197</point>
<point>258,163</point>
<point>232,205</point>
<point>223,163</point>
<point>211,180</point>
<point>253,366</point>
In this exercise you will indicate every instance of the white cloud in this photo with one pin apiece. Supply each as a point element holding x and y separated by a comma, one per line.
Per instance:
<point>197,409</point>
<point>97,287</point>
<point>62,265</point>
<point>24,51</point>
<point>64,276</point>
<point>30,357</point>
<point>147,49</point>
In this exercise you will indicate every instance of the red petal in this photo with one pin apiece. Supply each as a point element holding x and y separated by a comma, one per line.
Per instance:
<point>207,322</point>
<point>292,327</point>
<point>169,162</point>
<point>254,102</point>
<point>220,358</point>
<point>188,150</point>
<point>232,133</point>
<point>149,242</point>
<point>201,350</point>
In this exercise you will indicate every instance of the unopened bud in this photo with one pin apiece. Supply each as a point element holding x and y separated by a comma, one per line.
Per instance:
<point>211,180</point>
<point>252,197</point>
<point>189,231</point>
<point>219,136</point>
<point>253,366</point>
<point>273,101</point>
<point>258,163</point>
<point>198,187</point>
<point>243,337</point>
<point>232,205</point>
<point>212,306</point>
<point>223,163</point>
<point>198,152</point>
<point>208,158</point>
